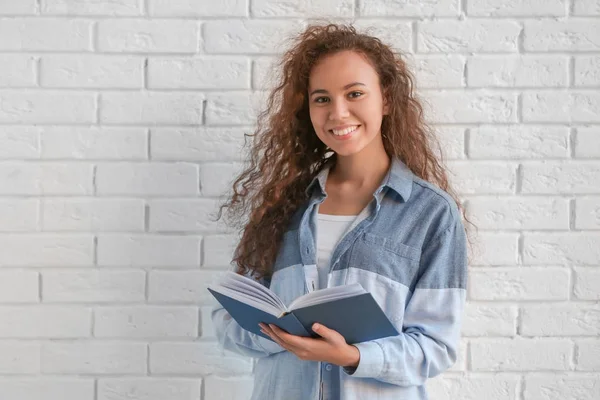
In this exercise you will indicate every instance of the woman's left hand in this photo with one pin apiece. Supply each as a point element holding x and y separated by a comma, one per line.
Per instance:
<point>331,347</point>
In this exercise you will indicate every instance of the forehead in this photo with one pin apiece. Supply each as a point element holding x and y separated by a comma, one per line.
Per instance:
<point>335,70</point>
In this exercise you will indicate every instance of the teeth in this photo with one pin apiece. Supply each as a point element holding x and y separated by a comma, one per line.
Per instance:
<point>345,131</point>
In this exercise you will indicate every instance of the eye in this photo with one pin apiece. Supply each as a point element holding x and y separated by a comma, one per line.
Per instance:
<point>321,99</point>
<point>355,94</point>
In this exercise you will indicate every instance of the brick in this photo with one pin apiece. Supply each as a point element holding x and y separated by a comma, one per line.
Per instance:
<point>218,250</point>
<point>94,358</point>
<point>302,9</point>
<point>587,144</point>
<point>150,388</point>
<point>41,250</point>
<point>587,70</point>
<point>94,143</point>
<point>560,320</point>
<point>225,388</point>
<point>577,177</point>
<point>47,34</point>
<point>148,36</point>
<point>561,35</point>
<point>184,216</point>
<point>45,179</point>
<point>19,215</point>
<point>587,213</point>
<point>247,36</point>
<point>518,142</point>
<point>148,251</point>
<point>19,358</point>
<point>217,179</point>
<point>44,107</point>
<point>489,320</point>
<point>561,248</point>
<point>397,34</point>
<point>475,387</point>
<point>155,179</point>
<point>91,71</point>
<point>470,107</point>
<point>195,358</point>
<point>231,109</point>
<point>533,8</point>
<point>93,285</point>
<point>586,7</point>
<point>146,322</point>
<point>468,36</point>
<point>517,71</point>
<point>182,286</point>
<point>199,73</point>
<point>495,249</point>
<point>482,177</point>
<point>19,142</point>
<point>382,8</point>
<point>452,142</point>
<point>17,70</point>
<point>97,7</point>
<point>96,215</point>
<point>265,73</point>
<point>539,354</point>
<point>151,108</point>
<point>44,388</point>
<point>516,283</point>
<point>197,144</point>
<point>19,286</point>
<point>436,71</point>
<point>517,213</point>
<point>47,322</point>
<point>561,107</point>
<point>588,355</point>
<point>10,7</point>
<point>587,282</point>
<point>193,8</point>
<point>561,387</point>
<point>207,329</point>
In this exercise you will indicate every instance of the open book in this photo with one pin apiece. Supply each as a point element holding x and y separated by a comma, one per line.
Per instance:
<point>349,310</point>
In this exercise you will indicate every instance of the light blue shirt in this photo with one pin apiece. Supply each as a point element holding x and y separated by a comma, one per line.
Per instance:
<point>410,254</point>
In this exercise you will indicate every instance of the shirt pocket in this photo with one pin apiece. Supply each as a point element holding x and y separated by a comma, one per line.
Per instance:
<point>390,259</point>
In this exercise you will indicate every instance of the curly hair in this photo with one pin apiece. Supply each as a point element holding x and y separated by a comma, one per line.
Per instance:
<point>286,153</point>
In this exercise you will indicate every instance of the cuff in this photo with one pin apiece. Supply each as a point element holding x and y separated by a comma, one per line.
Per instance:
<point>370,364</point>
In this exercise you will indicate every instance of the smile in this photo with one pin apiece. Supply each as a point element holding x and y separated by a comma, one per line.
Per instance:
<point>345,131</point>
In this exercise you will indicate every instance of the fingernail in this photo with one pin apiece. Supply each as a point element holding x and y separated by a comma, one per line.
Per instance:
<point>316,327</point>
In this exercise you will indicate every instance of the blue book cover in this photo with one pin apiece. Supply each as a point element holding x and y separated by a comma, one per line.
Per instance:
<point>353,313</point>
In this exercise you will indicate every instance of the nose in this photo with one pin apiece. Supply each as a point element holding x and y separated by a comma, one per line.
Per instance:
<point>338,110</point>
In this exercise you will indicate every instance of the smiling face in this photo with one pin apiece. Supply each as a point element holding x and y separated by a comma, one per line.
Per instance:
<point>346,103</point>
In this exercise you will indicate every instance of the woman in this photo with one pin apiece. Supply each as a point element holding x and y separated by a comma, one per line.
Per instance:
<point>343,187</point>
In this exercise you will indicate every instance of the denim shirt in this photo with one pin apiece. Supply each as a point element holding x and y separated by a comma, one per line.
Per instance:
<point>410,254</point>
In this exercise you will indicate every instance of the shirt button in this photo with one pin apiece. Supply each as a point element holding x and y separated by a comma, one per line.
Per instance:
<point>328,367</point>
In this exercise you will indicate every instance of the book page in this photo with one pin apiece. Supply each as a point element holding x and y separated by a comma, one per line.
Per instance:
<point>327,295</point>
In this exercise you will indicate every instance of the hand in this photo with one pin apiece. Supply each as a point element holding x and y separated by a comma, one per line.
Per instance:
<point>331,347</point>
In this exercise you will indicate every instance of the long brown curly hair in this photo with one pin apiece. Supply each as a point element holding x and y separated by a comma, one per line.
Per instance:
<point>286,153</point>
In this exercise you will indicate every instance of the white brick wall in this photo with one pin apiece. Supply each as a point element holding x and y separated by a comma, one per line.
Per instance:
<point>121,125</point>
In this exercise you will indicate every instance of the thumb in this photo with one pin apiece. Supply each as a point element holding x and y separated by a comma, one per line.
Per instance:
<point>325,333</point>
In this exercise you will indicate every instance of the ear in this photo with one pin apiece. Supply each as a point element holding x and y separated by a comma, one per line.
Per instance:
<point>386,107</point>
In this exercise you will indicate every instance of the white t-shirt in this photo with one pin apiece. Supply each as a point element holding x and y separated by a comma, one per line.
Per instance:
<point>330,230</point>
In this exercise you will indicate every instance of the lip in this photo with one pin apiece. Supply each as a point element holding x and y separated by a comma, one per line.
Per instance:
<point>348,136</point>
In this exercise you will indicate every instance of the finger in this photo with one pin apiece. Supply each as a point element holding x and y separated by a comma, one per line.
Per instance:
<point>296,342</point>
<point>328,334</point>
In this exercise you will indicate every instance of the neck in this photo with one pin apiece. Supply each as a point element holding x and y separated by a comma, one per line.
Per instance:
<point>364,169</point>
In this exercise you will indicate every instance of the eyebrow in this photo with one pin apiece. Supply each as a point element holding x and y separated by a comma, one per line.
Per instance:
<point>345,87</point>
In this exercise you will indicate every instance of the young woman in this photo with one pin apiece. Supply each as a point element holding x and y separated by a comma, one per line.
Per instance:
<point>343,187</point>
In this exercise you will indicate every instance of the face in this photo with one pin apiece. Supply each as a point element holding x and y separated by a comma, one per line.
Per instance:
<point>346,103</point>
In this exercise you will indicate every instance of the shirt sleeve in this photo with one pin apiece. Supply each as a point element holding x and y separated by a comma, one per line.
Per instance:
<point>234,338</point>
<point>428,343</point>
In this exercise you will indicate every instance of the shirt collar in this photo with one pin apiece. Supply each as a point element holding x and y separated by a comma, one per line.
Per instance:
<point>399,178</point>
